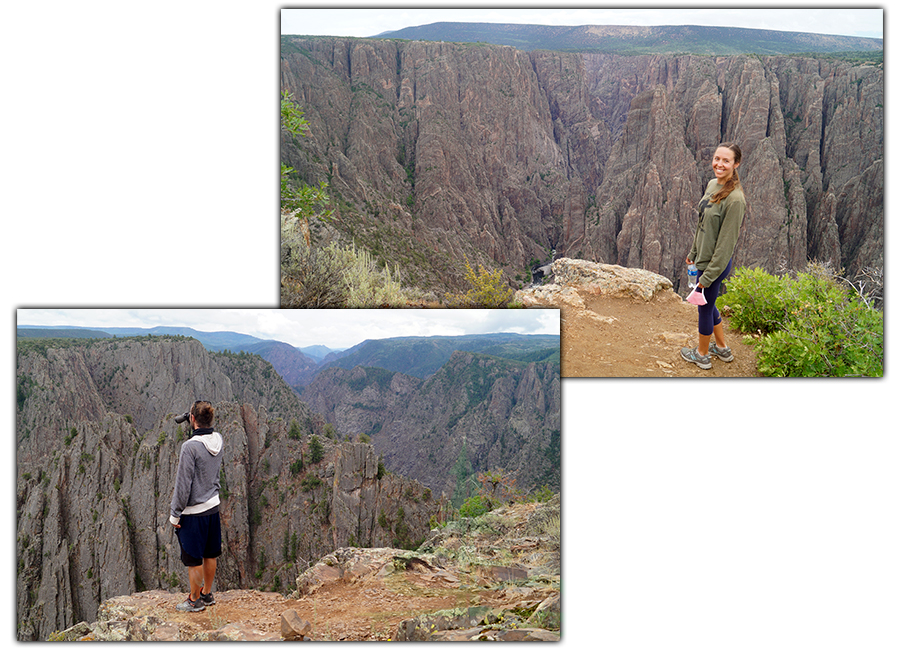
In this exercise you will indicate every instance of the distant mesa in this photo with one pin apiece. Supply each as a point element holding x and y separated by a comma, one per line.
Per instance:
<point>704,40</point>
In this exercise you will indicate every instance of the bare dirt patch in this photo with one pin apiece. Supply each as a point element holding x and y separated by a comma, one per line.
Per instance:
<point>339,611</point>
<point>626,337</point>
<point>371,610</point>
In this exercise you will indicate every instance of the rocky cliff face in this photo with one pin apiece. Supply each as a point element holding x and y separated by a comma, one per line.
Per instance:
<point>436,152</point>
<point>476,413</point>
<point>293,366</point>
<point>97,449</point>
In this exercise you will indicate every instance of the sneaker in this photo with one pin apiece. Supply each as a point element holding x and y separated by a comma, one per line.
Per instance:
<point>722,353</point>
<point>691,355</point>
<point>208,599</point>
<point>188,605</point>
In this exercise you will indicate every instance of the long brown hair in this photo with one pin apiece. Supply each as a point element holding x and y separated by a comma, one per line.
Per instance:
<point>734,182</point>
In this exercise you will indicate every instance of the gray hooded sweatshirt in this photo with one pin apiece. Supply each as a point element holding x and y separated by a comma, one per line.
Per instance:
<point>197,479</point>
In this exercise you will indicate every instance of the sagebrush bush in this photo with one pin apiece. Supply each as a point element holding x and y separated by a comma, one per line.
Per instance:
<point>309,279</point>
<point>806,323</point>
<point>367,285</point>
<point>334,277</point>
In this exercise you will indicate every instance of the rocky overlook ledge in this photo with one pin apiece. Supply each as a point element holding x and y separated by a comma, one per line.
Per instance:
<point>494,577</point>
<point>574,279</point>
<point>626,322</point>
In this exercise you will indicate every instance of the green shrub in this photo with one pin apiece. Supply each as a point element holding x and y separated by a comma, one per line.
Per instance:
<point>310,483</point>
<point>806,323</point>
<point>487,290</point>
<point>316,450</point>
<point>756,300</point>
<point>476,506</point>
<point>541,495</point>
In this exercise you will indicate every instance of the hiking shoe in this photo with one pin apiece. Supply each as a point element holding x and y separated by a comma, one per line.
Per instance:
<point>691,355</point>
<point>208,599</point>
<point>188,605</point>
<point>724,354</point>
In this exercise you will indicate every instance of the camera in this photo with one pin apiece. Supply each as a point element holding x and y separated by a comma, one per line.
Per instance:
<point>181,418</point>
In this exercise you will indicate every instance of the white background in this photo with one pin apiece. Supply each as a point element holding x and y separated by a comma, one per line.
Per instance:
<point>701,518</point>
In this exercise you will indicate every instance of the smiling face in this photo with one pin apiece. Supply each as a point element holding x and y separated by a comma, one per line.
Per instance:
<point>724,164</point>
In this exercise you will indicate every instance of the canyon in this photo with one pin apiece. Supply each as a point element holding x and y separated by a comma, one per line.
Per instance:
<point>436,153</point>
<point>97,447</point>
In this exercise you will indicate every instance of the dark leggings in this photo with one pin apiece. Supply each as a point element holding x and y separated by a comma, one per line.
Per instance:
<point>708,314</point>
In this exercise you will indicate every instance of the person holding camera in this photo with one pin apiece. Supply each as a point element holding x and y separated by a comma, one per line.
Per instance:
<point>194,511</point>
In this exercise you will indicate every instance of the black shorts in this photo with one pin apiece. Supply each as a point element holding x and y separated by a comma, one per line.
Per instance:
<point>200,536</point>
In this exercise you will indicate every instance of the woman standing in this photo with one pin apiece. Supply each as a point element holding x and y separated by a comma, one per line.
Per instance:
<point>721,213</point>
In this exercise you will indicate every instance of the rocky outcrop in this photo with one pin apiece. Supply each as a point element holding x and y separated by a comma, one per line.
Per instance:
<point>293,366</point>
<point>491,578</point>
<point>606,279</point>
<point>440,152</point>
<point>474,623</point>
<point>97,450</point>
<point>576,279</point>
<point>151,616</point>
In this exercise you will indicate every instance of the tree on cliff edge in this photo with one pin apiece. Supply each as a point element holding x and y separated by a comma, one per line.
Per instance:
<point>301,201</point>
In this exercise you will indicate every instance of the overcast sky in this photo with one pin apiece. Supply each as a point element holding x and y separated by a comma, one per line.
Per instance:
<point>338,20</point>
<point>336,328</point>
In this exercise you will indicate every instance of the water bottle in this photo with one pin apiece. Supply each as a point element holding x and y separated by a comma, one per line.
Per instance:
<point>692,275</point>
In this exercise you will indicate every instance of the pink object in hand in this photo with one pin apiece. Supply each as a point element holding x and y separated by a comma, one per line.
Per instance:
<point>697,297</point>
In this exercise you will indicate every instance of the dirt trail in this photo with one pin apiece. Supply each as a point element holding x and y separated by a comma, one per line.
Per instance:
<point>338,612</point>
<point>643,340</point>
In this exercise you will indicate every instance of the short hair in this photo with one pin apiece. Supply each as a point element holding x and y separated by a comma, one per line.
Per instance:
<point>203,413</point>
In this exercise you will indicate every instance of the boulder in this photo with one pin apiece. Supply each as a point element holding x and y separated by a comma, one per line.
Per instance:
<point>576,278</point>
<point>238,631</point>
<point>609,279</point>
<point>293,627</point>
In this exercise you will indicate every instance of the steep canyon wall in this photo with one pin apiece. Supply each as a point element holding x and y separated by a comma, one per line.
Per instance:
<point>476,413</point>
<point>438,152</point>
